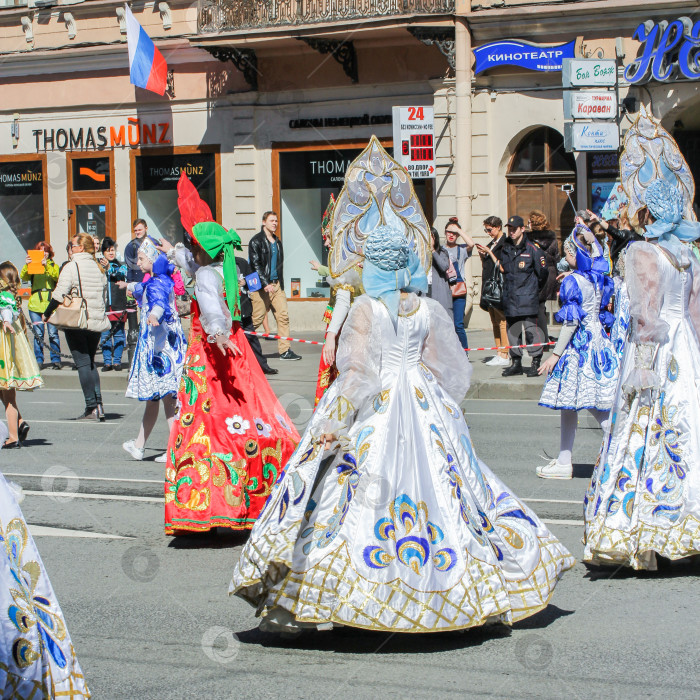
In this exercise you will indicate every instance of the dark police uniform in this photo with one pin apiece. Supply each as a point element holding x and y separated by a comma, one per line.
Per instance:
<point>524,274</point>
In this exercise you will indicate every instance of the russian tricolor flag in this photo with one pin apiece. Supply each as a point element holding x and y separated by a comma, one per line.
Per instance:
<point>147,67</point>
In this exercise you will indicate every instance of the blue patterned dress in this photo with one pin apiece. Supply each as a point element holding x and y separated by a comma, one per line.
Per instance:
<point>621,325</point>
<point>160,350</point>
<point>586,374</point>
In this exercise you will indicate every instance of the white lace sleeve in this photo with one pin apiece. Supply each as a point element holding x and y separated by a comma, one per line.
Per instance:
<point>694,300</point>
<point>184,259</point>
<point>358,360</point>
<point>646,286</point>
<point>215,317</point>
<point>340,310</point>
<point>444,355</point>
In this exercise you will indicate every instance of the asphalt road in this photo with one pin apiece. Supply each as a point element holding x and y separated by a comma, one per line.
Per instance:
<point>150,616</point>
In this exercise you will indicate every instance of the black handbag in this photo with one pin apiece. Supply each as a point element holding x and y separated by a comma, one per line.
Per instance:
<point>492,290</point>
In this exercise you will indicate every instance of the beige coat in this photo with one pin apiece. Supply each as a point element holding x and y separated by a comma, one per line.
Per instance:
<point>94,285</point>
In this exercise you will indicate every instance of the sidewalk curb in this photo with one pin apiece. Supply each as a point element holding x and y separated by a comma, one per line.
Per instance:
<point>489,388</point>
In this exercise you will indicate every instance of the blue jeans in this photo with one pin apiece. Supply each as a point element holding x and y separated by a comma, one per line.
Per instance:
<point>459,304</point>
<point>38,333</point>
<point>112,348</point>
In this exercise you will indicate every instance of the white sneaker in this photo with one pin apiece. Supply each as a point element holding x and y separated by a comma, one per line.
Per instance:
<point>161,459</point>
<point>135,452</point>
<point>498,361</point>
<point>554,470</point>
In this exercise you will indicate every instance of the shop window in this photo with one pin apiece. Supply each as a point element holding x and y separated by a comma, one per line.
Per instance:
<point>22,223</point>
<point>306,181</point>
<point>156,189</point>
<point>91,174</point>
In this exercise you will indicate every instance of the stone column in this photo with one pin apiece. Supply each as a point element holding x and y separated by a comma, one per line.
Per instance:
<point>463,135</point>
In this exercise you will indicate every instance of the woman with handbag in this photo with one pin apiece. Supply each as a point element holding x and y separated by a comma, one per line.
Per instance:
<point>78,306</point>
<point>459,254</point>
<point>492,289</point>
<point>438,284</point>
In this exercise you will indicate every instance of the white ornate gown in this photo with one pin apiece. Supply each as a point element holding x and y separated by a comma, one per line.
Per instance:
<point>37,659</point>
<point>586,374</point>
<point>404,529</point>
<point>644,496</point>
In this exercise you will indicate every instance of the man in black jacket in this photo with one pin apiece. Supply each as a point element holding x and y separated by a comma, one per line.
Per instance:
<point>525,272</point>
<point>247,315</point>
<point>267,259</point>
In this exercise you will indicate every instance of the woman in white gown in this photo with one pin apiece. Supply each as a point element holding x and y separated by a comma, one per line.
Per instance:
<point>37,659</point>
<point>399,526</point>
<point>644,496</point>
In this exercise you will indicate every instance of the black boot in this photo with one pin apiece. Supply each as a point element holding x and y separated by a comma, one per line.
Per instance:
<point>516,367</point>
<point>532,371</point>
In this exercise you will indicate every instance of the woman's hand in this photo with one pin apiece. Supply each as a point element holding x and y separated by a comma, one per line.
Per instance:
<point>315,264</point>
<point>224,343</point>
<point>326,440</point>
<point>548,365</point>
<point>329,349</point>
<point>8,327</point>
<point>122,284</point>
<point>152,320</point>
<point>563,274</point>
<point>164,245</point>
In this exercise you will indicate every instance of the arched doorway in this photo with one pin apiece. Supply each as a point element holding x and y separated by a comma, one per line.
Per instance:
<point>538,169</point>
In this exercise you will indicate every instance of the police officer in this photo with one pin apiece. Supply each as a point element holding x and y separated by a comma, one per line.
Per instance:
<point>525,272</point>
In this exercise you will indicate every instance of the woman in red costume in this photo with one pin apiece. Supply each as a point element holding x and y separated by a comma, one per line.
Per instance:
<point>232,437</point>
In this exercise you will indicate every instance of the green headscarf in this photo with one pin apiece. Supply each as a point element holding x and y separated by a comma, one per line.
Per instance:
<point>214,238</point>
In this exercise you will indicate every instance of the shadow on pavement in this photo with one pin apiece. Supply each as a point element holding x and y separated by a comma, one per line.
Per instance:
<point>667,569</point>
<point>219,538</point>
<point>350,640</point>
<point>542,619</point>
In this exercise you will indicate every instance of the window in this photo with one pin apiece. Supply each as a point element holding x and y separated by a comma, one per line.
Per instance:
<point>156,179</point>
<point>542,151</point>
<point>306,179</point>
<point>22,208</point>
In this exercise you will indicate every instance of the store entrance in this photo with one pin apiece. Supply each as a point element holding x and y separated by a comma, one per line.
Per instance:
<point>538,170</point>
<point>91,195</point>
<point>304,178</point>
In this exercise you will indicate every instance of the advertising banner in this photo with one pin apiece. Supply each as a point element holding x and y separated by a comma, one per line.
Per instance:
<point>513,52</point>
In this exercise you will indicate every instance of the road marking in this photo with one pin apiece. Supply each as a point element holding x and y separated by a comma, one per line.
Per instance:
<point>521,415</point>
<point>87,478</point>
<point>550,500</point>
<point>578,523</point>
<point>68,421</point>
<point>67,495</point>
<point>42,531</point>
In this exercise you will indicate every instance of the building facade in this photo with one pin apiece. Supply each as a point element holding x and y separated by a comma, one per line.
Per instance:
<point>269,102</point>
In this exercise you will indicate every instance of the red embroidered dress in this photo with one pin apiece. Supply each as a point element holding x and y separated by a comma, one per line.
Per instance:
<point>232,437</point>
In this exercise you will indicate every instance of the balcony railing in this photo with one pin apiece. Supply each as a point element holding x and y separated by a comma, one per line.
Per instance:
<point>230,15</point>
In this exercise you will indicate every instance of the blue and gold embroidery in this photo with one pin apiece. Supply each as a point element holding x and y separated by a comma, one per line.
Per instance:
<point>413,535</point>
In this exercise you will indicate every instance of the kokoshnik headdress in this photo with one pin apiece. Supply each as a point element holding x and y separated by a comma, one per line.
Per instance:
<point>202,230</point>
<point>378,192</point>
<point>149,250</point>
<point>650,153</point>
<point>595,268</point>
